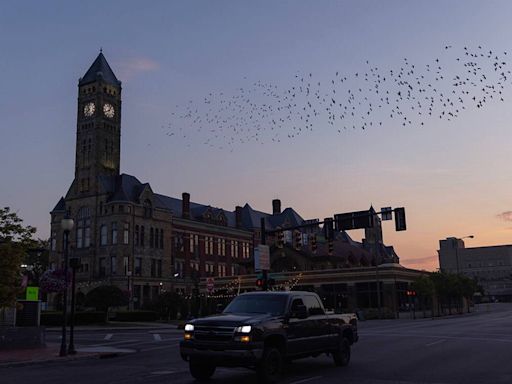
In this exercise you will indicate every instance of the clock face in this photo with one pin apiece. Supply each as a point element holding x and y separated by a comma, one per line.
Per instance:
<point>108,110</point>
<point>89,109</point>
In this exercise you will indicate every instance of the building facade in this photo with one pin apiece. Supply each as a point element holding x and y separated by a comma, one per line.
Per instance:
<point>145,242</point>
<point>490,266</point>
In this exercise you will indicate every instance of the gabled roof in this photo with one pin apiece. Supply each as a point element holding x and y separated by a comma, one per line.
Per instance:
<point>252,218</point>
<point>196,210</point>
<point>99,70</point>
<point>122,187</point>
<point>61,206</point>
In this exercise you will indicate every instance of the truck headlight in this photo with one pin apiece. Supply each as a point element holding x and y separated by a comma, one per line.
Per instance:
<point>189,327</point>
<point>243,329</point>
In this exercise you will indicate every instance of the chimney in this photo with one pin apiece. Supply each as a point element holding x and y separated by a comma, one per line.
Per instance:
<point>238,216</point>
<point>276,207</point>
<point>185,205</point>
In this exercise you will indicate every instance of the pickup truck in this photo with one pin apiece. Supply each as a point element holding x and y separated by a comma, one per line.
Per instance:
<point>263,331</point>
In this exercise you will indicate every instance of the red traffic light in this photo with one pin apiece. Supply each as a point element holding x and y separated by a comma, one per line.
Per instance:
<point>259,283</point>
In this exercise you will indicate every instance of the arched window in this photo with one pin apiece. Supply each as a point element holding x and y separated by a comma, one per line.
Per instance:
<point>83,228</point>
<point>148,208</point>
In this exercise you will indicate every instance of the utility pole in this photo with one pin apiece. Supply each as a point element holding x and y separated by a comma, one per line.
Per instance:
<point>263,241</point>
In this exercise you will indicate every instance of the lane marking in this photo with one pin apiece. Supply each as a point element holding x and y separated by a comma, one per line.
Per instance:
<point>157,337</point>
<point>306,380</point>
<point>109,336</point>
<point>114,343</point>
<point>435,342</point>
<point>410,334</point>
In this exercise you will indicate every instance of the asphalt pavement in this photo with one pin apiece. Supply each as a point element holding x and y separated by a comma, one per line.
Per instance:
<point>469,349</point>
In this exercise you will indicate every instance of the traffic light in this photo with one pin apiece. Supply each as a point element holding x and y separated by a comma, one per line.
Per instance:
<point>262,281</point>
<point>411,293</point>
<point>400,219</point>
<point>280,239</point>
<point>313,243</point>
<point>328,228</point>
<point>330,245</point>
<point>298,240</point>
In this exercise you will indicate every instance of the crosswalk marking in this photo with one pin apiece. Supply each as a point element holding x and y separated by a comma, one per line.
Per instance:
<point>157,337</point>
<point>108,336</point>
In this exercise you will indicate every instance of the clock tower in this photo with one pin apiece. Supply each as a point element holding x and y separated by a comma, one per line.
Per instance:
<point>98,129</point>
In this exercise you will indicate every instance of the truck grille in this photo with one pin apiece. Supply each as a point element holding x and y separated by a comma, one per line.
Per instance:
<point>210,333</point>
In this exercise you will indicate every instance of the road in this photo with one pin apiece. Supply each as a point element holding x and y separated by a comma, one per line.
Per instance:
<point>470,349</point>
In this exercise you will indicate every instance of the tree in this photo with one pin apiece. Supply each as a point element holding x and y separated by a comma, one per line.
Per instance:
<point>441,287</point>
<point>37,258</point>
<point>15,239</point>
<point>468,288</point>
<point>12,229</point>
<point>168,304</point>
<point>11,257</point>
<point>424,287</point>
<point>106,296</point>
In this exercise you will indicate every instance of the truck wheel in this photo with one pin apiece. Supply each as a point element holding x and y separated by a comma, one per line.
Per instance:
<point>201,370</point>
<point>270,367</point>
<point>342,355</point>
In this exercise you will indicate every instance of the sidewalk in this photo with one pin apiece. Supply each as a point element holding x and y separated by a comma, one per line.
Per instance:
<point>50,353</point>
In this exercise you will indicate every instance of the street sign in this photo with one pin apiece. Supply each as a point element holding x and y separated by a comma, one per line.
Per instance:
<point>210,284</point>
<point>386,213</point>
<point>262,258</point>
<point>353,220</point>
<point>32,294</point>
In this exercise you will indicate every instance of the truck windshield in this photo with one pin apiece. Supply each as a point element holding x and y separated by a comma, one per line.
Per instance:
<point>272,304</point>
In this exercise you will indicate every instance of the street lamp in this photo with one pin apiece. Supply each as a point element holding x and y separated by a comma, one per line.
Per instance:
<point>75,262</point>
<point>66,225</point>
<point>130,298</point>
<point>457,249</point>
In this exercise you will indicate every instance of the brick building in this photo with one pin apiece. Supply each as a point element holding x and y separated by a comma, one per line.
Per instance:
<point>146,242</point>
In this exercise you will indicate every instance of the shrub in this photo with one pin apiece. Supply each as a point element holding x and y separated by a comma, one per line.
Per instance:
<point>106,296</point>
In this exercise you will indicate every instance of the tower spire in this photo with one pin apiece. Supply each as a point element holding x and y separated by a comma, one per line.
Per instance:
<point>99,70</point>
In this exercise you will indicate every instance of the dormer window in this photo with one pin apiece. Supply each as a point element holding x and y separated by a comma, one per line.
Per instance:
<point>148,208</point>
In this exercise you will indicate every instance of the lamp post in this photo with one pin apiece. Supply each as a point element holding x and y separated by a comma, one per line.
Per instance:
<point>130,298</point>
<point>66,225</point>
<point>457,250</point>
<point>75,262</point>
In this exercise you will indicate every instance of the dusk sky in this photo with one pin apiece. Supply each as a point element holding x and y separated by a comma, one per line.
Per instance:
<point>452,177</point>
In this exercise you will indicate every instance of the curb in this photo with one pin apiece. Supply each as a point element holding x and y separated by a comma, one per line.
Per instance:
<point>90,356</point>
<point>96,329</point>
<point>11,364</point>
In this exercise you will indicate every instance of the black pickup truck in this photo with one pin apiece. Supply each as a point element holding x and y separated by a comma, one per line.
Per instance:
<point>263,330</point>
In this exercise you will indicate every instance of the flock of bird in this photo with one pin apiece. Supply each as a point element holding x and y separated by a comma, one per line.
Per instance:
<point>409,95</point>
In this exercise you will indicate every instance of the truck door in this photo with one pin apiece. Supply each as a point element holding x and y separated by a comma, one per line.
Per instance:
<point>298,330</point>
<point>321,332</point>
